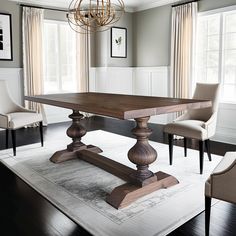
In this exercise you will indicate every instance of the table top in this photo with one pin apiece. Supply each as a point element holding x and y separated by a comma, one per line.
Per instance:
<point>117,105</point>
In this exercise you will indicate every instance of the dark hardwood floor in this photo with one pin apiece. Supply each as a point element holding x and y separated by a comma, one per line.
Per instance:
<point>25,212</point>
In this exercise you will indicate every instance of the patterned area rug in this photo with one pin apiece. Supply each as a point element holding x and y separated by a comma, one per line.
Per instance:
<point>79,189</point>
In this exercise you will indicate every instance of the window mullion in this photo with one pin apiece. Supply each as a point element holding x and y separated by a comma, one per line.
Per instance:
<point>59,69</point>
<point>221,50</point>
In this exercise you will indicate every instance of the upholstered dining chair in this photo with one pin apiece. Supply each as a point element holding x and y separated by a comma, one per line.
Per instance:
<point>221,185</point>
<point>197,124</point>
<point>14,116</point>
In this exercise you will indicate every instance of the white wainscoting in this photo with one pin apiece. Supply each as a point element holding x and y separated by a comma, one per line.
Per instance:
<point>226,125</point>
<point>145,81</point>
<point>14,79</point>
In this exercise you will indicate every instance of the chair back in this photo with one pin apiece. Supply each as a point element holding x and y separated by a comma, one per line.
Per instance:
<point>7,105</point>
<point>205,92</point>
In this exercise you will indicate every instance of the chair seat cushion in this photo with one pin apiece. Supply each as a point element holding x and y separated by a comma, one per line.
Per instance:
<point>21,119</point>
<point>187,128</point>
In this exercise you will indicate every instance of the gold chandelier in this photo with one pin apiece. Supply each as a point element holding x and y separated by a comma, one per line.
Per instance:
<point>94,15</point>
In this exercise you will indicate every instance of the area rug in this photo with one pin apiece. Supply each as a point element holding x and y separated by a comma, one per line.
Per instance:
<point>79,189</point>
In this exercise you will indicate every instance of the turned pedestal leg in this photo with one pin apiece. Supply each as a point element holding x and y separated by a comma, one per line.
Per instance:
<point>142,181</point>
<point>76,131</point>
<point>142,154</point>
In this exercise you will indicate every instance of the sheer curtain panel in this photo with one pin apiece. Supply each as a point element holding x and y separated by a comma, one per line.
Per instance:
<point>32,26</point>
<point>182,41</point>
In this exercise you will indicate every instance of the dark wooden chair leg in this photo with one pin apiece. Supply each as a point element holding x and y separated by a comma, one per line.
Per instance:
<point>41,132</point>
<point>207,144</point>
<point>201,154</point>
<point>207,215</point>
<point>7,134</point>
<point>170,138</point>
<point>13,136</point>
<point>185,146</point>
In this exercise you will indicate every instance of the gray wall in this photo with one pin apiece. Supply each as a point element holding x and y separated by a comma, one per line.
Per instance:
<point>152,32</point>
<point>55,15</point>
<point>14,10</point>
<point>152,37</point>
<point>103,47</point>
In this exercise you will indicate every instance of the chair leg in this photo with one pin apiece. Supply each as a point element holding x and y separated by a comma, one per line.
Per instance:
<point>7,135</point>
<point>207,215</point>
<point>170,138</point>
<point>207,144</point>
<point>201,154</point>
<point>41,132</point>
<point>185,146</point>
<point>13,136</point>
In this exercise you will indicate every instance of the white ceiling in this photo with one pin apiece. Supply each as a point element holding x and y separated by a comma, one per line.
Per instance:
<point>131,5</point>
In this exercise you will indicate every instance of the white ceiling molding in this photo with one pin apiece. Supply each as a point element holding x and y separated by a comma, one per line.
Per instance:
<point>153,4</point>
<point>130,5</point>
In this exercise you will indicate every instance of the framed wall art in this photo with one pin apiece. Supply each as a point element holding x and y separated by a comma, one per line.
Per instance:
<point>5,37</point>
<point>118,42</point>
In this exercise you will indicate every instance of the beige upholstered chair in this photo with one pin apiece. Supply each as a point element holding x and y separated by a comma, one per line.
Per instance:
<point>197,124</point>
<point>221,185</point>
<point>13,116</point>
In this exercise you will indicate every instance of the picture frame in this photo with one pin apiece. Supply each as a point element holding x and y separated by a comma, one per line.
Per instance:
<point>118,42</point>
<point>6,53</point>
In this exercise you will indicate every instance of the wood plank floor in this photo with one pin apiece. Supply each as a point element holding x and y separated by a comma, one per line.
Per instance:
<point>25,212</point>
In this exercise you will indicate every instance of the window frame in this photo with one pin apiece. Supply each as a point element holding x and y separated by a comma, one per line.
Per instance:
<point>59,66</point>
<point>223,12</point>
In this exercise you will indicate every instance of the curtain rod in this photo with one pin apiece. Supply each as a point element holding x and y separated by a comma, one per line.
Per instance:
<point>45,8</point>
<point>183,3</point>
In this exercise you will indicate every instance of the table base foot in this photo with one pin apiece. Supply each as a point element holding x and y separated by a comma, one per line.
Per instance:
<point>125,194</point>
<point>65,155</point>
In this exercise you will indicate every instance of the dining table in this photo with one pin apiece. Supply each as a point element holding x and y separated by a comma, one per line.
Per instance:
<point>140,181</point>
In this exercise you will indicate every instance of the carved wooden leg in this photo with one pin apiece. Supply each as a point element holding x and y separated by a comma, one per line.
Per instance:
<point>142,154</point>
<point>76,131</point>
<point>142,181</point>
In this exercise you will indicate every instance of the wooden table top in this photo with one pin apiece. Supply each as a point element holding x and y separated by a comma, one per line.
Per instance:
<point>119,106</point>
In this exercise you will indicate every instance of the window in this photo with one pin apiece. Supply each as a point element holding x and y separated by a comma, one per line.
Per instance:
<point>59,57</point>
<point>216,52</point>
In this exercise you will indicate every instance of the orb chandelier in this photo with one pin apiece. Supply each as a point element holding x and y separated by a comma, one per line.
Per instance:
<point>94,15</point>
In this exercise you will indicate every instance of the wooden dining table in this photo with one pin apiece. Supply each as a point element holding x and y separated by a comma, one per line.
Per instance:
<point>140,181</point>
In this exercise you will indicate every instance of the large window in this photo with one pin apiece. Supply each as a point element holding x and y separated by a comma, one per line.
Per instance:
<point>59,57</point>
<point>216,52</point>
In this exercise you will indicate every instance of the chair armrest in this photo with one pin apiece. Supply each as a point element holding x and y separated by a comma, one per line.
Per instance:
<point>223,179</point>
<point>210,125</point>
<point>4,119</point>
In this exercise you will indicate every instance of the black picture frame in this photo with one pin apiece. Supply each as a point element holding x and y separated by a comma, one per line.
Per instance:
<point>6,52</point>
<point>118,42</point>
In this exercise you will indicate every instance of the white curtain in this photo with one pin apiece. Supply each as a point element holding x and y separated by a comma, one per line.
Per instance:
<point>182,42</point>
<point>32,26</point>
